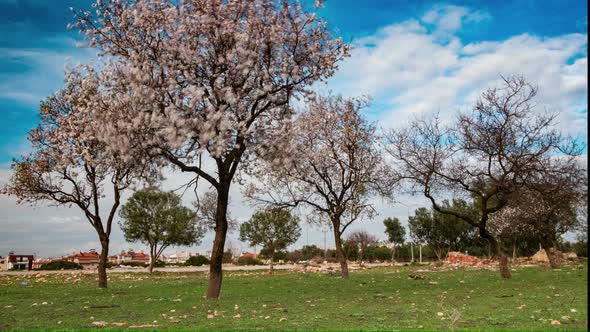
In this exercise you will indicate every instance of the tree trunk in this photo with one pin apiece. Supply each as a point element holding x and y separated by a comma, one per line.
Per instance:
<point>513,249</point>
<point>551,255</point>
<point>215,267</point>
<point>498,253</point>
<point>393,254</point>
<point>102,261</point>
<point>272,258</point>
<point>340,253</point>
<point>152,260</point>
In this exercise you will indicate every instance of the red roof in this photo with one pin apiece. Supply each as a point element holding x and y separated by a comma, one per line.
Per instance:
<point>248,255</point>
<point>84,256</point>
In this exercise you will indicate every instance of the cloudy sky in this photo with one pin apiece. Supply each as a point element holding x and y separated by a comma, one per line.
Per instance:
<point>413,58</point>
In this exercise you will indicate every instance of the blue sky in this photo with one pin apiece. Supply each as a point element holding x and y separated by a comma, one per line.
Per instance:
<point>413,57</point>
<point>35,43</point>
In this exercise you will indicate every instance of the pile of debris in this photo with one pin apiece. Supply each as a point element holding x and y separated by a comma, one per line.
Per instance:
<point>541,256</point>
<point>456,259</point>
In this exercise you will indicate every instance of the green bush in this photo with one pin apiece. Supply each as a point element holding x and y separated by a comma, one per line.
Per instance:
<point>60,265</point>
<point>377,253</point>
<point>159,263</point>
<point>197,261</point>
<point>249,261</point>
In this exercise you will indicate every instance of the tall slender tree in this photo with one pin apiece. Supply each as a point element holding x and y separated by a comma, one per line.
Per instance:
<point>396,233</point>
<point>207,83</point>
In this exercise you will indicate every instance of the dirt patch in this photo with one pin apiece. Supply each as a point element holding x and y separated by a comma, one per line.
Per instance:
<point>105,306</point>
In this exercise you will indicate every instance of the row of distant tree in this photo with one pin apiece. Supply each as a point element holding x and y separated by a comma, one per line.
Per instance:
<point>158,220</point>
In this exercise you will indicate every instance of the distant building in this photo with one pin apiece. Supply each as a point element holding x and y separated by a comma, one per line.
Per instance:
<point>88,260</point>
<point>16,262</point>
<point>130,257</point>
<point>248,255</point>
<point>178,257</point>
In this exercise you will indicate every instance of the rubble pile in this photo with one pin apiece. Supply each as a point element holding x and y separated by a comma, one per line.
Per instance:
<point>541,256</point>
<point>456,259</point>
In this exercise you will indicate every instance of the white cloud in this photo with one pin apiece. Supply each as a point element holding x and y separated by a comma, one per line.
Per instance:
<point>410,70</point>
<point>448,19</point>
<point>45,69</point>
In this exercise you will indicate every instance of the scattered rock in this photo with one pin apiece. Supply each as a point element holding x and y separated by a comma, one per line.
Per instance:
<point>418,276</point>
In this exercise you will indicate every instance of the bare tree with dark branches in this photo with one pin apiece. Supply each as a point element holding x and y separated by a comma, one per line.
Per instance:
<point>489,154</point>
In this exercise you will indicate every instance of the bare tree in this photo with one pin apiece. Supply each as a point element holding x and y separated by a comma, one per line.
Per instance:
<point>489,154</point>
<point>206,207</point>
<point>329,164</point>
<point>362,239</point>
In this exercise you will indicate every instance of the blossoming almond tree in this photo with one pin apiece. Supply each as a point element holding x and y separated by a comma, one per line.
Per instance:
<point>546,209</point>
<point>70,166</point>
<point>333,167</point>
<point>207,82</point>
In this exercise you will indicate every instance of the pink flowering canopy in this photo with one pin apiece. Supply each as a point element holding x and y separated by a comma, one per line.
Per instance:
<point>204,77</point>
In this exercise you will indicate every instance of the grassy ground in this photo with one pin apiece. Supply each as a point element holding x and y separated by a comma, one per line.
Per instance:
<point>378,299</point>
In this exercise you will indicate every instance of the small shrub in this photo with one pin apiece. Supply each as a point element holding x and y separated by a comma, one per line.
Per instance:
<point>228,257</point>
<point>197,261</point>
<point>249,261</point>
<point>159,263</point>
<point>60,265</point>
<point>330,259</point>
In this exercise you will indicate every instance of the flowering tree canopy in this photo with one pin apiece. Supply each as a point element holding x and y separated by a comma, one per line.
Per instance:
<point>546,209</point>
<point>208,79</point>
<point>329,164</point>
<point>70,165</point>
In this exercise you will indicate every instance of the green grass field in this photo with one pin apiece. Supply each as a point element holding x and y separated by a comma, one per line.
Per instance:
<point>375,299</point>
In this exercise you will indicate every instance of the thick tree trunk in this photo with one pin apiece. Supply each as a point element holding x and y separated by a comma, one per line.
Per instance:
<point>102,262</point>
<point>152,260</point>
<point>498,253</point>
<point>340,253</point>
<point>215,267</point>
<point>551,254</point>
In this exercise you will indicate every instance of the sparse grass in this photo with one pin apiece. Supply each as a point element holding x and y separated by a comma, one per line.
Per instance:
<point>376,299</point>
